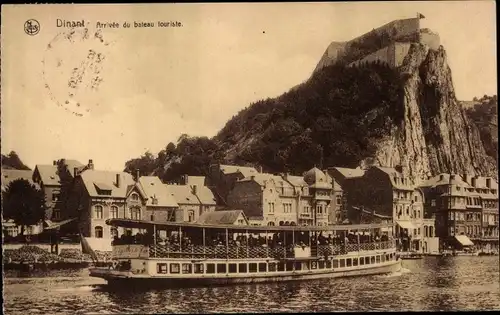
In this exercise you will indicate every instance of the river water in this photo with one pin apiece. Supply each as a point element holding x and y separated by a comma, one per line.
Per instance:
<point>430,284</point>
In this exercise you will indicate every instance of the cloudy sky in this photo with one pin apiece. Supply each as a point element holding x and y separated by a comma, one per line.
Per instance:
<point>143,87</point>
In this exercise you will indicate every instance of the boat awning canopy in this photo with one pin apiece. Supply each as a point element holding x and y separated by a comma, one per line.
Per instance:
<point>59,224</point>
<point>464,240</point>
<point>405,224</point>
<point>130,223</point>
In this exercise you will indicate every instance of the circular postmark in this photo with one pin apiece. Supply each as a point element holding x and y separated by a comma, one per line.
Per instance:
<point>73,66</point>
<point>31,27</point>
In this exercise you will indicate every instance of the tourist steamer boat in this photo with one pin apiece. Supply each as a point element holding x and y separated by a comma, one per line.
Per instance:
<point>190,254</point>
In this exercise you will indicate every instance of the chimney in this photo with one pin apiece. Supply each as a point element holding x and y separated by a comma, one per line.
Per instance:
<point>118,180</point>
<point>195,189</point>
<point>137,174</point>
<point>452,176</point>
<point>488,182</point>
<point>260,169</point>
<point>185,179</point>
<point>252,177</point>
<point>54,162</point>
<point>473,181</point>
<point>441,177</point>
<point>75,171</point>
<point>90,165</point>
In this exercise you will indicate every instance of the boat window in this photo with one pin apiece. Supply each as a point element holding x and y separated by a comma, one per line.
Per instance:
<point>233,268</point>
<point>314,265</point>
<point>272,267</point>
<point>187,268</point>
<point>321,264</point>
<point>342,263</point>
<point>221,268</point>
<point>329,264</point>
<point>262,267</point>
<point>252,267</point>
<point>161,268</point>
<point>281,266</point>
<point>367,260</point>
<point>372,260</point>
<point>289,266</point>
<point>198,268</point>
<point>242,268</point>
<point>298,265</point>
<point>383,258</point>
<point>378,259</point>
<point>361,261</point>
<point>210,268</point>
<point>174,268</point>
<point>335,263</point>
<point>349,262</point>
<point>354,261</point>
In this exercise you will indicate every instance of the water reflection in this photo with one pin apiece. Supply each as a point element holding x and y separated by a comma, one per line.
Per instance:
<point>432,284</point>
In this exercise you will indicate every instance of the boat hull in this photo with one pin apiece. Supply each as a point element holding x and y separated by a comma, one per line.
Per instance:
<point>121,281</point>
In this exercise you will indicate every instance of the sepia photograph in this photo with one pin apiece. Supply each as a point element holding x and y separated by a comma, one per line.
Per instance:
<point>249,157</point>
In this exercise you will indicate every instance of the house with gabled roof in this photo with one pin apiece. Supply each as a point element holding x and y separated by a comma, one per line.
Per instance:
<point>223,217</point>
<point>283,199</point>
<point>222,178</point>
<point>193,200</point>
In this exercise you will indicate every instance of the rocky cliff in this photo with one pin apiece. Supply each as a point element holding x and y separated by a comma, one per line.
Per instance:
<point>435,135</point>
<point>426,129</point>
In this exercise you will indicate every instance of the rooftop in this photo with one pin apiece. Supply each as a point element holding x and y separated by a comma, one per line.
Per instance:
<point>220,217</point>
<point>153,188</point>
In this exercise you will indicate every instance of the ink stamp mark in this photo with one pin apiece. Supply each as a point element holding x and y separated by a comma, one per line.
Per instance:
<point>73,69</point>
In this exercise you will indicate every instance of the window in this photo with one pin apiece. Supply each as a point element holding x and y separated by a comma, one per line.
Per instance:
<point>161,268</point>
<point>191,216</point>
<point>372,259</point>
<point>289,266</point>
<point>433,202</point>
<point>349,262</point>
<point>281,266</point>
<point>321,264</point>
<point>342,263</point>
<point>187,268</point>
<point>271,207</point>
<point>367,260</point>
<point>210,268</point>
<point>416,198</point>
<point>57,214</point>
<point>272,267</point>
<point>55,197</point>
<point>354,261</point>
<point>114,212</point>
<point>262,267</point>
<point>134,197</point>
<point>252,267</point>
<point>378,259</point>
<point>233,268</point>
<point>113,232</point>
<point>319,209</point>
<point>298,265</point>
<point>339,200</point>
<point>98,212</point>
<point>135,213</point>
<point>241,221</point>
<point>174,268</point>
<point>98,232</point>
<point>198,268</point>
<point>329,264</point>
<point>335,263</point>
<point>221,268</point>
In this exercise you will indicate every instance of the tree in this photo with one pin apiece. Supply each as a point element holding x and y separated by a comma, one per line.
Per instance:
<point>12,160</point>
<point>146,164</point>
<point>23,203</point>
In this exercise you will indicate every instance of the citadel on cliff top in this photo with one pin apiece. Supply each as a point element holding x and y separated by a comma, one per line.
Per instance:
<point>389,43</point>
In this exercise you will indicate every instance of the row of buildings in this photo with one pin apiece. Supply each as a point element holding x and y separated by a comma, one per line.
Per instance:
<point>455,209</point>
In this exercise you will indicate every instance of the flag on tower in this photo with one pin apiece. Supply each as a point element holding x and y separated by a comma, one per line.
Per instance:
<point>420,16</point>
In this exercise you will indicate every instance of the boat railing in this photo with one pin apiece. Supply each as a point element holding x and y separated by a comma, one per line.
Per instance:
<point>242,251</point>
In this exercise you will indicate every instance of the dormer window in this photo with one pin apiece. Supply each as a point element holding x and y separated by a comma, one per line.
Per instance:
<point>134,197</point>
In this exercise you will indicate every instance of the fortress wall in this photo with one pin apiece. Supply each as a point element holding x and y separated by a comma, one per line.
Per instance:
<point>383,55</point>
<point>393,55</point>
<point>431,40</point>
<point>400,51</point>
<point>397,29</point>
